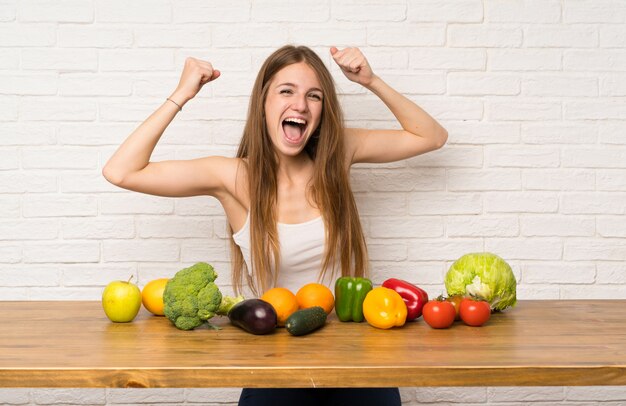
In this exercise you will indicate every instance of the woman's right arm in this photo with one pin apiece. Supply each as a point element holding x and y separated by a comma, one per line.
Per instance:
<point>130,166</point>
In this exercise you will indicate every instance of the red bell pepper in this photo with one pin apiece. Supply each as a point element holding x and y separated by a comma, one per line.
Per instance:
<point>414,297</point>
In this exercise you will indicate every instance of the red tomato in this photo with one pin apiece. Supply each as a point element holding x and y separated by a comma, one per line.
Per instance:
<point>439,313</point>
<point>474,313</point>
<point>456,301</point>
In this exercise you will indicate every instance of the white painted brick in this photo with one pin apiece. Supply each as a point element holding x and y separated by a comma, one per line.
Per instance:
<point>95,275</point>
<point>136,60</point>
<point>29,276</point>
<point>415,179</point>
<point>611,180</point>
<point>612,132</point>
<point>569,132</point>
<point>9,108</point>
<point>524,202</point>
<point>78,84</point>
<point>466,11</point>
<point>523,110</point>
<point>611,272</point>
<point>611,226</point>
<point>593,292</point>
<point>27,35</point>
<point>376,204</point>
<point>595,110</point>
<point>93,133</point>
<point>488,36</point>
<point>154,227</point>
<point>612,36</point>
<point>481,226</point>
<point>29,84</point>
<point>305,11</point>
<point>142,395</point>
<point>525,394</point>
<point>559,273</point>
<point>140,250</point>
<point>98,228</point>
<point>10,206</point>
<point>387,58</point>
<point>448,249</point>
<point>60,158</point>
<point>134,203</point>
<point>590,157</point>
<point>14,396</point>
<point>219,109</point>
<point>462,395</point>
<point>524,59</point>
<point>523,157</point>
<point>443,58</point>
<point>369,10</point>
<point>68,252</point>
<point>594,249</point>
<point>94,36</point>
<point>22,229</point>
<point>119,11</point>
<point>479,84</point>
<point>249,35</point>
<point>466,132</point>
<point>533,11</point>
<point>55,294</point>
<point>57,59</point>
<point>39,109</point>
<point>593,203</point>
<point>558,179</point>
<point>68,396</point>
<point>444,203</point>
<point>8,10</point>
<point>594,11</point>
<point>537,292</point>
<point>561,85</point>
<point>233,84</point>
<point>33,181</point>
<point>9,58</point>
<point>560,36</point>
<point>450,157</point>
<point>65,11</point>
<point>8,159</point>
<point>27,134</point>
<point>418,84</point>
<point>149,271</point>
<point>199,206</point>
<point>594,60</point>
<point>194,250</point>
<point>391,251</point>
<point>160,84</point>
<point>217,395</point>
<point>419,273</point>
<point>460,108</point>
<point>406,227</point>
<point>470,180</point>
<point>59,206</point>
<point>89,183</point>
<point>371,108</point>
<point>407,35</point>
<point>526,248</point>
<point>193,36</point>
<point>613,84</point>
<point>224,11</point>
<point>10,253</point>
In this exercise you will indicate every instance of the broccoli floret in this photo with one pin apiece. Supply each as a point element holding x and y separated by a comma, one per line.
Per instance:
<point>191,297</point>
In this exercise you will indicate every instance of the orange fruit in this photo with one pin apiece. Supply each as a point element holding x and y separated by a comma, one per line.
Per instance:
<point>316,294</point>
<point>283,301</point>
<point>152,296</point>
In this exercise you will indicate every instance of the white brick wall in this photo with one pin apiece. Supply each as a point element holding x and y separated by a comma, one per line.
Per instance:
<point>531,91</point>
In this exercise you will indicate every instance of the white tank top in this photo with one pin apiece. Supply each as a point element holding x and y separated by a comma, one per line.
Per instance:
<point>301,252</point>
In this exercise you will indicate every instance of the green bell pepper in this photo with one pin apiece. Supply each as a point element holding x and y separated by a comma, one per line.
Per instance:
<point>350,293</point>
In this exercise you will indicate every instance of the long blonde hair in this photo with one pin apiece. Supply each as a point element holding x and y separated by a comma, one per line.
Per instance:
<point>330,184</point>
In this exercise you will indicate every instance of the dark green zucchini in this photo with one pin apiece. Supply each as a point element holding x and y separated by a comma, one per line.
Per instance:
<point>306,321</point>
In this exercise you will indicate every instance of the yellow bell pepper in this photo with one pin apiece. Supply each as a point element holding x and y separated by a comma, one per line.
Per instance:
<point>384,308</point>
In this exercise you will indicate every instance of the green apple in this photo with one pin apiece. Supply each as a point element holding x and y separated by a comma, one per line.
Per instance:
<point>121,301</point>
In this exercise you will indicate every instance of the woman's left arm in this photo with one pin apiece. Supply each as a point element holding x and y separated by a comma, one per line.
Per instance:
<point>420,132</point>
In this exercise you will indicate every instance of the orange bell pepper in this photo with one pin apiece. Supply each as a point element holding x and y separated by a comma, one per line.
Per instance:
<point>384,308</point>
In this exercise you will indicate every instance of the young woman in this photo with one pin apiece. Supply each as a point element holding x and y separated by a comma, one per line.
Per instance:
<point>286,194</point>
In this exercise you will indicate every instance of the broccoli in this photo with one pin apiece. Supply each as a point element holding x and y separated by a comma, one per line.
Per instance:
<point>191,297</point>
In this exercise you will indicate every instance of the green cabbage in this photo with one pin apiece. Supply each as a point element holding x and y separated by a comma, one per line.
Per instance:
<point>484,275</point>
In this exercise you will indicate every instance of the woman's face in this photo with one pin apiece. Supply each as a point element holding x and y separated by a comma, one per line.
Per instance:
<point>293,108</point>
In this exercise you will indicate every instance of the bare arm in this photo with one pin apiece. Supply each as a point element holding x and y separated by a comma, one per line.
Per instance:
<point>420,132</point>
<point>130,167</point>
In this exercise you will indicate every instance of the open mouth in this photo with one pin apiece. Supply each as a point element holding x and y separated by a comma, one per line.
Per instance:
<point>294,128</point>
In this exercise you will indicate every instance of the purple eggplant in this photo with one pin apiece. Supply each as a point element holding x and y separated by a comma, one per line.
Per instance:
<point>256,316</point>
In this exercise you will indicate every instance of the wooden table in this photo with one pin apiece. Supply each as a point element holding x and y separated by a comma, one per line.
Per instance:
<point>538,343</point>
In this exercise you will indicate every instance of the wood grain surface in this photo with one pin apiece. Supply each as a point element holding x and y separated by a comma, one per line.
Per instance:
<point>537,343</point>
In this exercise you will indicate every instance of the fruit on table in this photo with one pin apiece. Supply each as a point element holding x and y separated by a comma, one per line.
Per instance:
<point>315,294</point>
<point>439,313</point>
<point>306,321</point>
<point>474,312</point>
<point>384,308</point>
<point>121,301</point>
<point>415,298</point>
<point>284,302</point>
<point>152,296</point>
<point>255,316</point>
<point>350,293</point>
